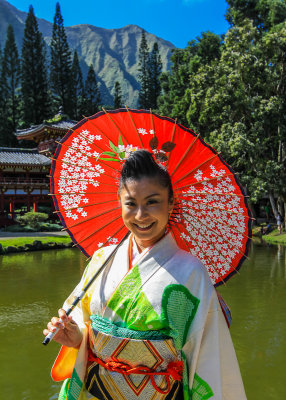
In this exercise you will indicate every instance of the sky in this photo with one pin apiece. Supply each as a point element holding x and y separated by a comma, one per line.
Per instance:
<point>177,21</point>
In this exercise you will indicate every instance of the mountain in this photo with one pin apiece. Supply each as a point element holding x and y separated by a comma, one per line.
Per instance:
<point>113,52</point>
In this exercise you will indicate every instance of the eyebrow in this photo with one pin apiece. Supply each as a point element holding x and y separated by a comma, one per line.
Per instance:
<point>150,195</point>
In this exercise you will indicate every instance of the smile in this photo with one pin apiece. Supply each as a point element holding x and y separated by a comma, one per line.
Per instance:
<point>145,227</point>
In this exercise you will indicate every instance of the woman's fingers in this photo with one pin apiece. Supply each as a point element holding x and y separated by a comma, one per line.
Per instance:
<point>62,314</point>
<point>68,334</point>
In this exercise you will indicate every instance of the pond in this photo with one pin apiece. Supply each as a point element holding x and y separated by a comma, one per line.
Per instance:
<point>34,285</point>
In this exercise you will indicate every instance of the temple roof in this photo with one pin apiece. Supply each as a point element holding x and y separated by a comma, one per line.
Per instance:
<point>63,125</point>
<point>17,156</point>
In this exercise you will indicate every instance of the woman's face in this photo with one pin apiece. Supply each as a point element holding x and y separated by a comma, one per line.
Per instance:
<point>145,210</point>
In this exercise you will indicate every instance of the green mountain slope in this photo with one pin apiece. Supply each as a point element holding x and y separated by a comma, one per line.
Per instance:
<point>113,52</point>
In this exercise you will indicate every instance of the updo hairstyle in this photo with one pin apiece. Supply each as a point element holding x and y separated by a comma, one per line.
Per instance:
<point>141,164</point>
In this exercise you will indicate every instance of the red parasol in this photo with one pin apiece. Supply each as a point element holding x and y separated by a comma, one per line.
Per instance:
<point>211,218</point>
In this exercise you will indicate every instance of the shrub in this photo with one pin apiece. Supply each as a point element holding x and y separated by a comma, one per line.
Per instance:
<point>14,228</point>
<point>48,227</point>
<point>33,219</point>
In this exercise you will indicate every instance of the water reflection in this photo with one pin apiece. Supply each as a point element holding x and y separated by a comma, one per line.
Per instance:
<point>257,298</point>
<point>34,285</point>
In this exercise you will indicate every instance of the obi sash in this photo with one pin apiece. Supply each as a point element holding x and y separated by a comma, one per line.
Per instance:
<point>124,364</point>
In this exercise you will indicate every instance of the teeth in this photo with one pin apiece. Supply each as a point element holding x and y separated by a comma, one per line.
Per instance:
<point>144,226</point>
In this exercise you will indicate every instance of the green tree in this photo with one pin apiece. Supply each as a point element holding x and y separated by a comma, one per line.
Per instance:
<point>34,84</point>
<point>10,79</point>
<point>154,71</point>
<point>77,88</point>
<point>2,104</point>
<point>92,93</point>
<point>117,103</point>
<point>143,73</point>
<point>237,103</point>
<point>201,52</point>
<point>264,14</point>
<point>60,69</point>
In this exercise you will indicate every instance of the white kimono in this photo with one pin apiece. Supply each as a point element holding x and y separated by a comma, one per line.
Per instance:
<point>167,291</point>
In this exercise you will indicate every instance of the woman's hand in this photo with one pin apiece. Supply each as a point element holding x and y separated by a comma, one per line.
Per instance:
<point>68,334</point>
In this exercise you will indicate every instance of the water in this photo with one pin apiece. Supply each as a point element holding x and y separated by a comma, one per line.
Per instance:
<point>34,285</point>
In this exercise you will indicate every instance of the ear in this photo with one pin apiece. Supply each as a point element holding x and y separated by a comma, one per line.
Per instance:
<point>171,205</point>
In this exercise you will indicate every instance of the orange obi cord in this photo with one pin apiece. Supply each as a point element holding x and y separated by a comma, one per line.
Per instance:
<point>174,369</point>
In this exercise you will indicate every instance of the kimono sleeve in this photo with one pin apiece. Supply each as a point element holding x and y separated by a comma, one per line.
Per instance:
<point>66,359</point>
<point>213,367</point>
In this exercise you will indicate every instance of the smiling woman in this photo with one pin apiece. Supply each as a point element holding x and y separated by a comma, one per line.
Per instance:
<point>151,325</point>
<point>146,197</point>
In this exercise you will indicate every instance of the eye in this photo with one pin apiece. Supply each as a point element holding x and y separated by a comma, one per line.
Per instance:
<point>129,203</point>
<point>152,201</point>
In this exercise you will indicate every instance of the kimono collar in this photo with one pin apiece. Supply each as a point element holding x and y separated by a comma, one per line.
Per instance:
<point>161,251</point>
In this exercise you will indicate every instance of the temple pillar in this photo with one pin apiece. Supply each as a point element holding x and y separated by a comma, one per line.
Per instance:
<point>28,201</point>
<point>2,207</point>
<point>35,204</point>
<point>12,207</point>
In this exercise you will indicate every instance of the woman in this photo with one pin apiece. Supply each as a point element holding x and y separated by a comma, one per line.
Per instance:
<point>151,322</point>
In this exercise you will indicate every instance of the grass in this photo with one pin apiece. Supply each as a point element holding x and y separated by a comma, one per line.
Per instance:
<point>272,237</point>
<point>21,241</point>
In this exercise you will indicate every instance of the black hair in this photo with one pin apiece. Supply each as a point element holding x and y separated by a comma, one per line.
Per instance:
<point>141,164</point>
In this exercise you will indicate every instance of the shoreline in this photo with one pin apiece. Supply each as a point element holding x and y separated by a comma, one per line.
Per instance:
<point>274,237</point>
<point>20,242</point>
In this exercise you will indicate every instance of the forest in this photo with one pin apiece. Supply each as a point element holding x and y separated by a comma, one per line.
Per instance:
<point>228,88</point>
<point>231,90</point>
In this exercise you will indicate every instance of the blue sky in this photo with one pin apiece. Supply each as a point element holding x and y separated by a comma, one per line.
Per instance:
<point>178,21</point>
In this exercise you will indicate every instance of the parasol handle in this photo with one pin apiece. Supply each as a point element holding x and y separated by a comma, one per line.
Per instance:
<point>50,336</point>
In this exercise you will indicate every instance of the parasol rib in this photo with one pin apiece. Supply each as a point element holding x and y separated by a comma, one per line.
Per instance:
<point>75,165</point>
<point>211,244</point>
<point>223,223</point>
<point>217,208</point>
<point>93,233</point>
<point>197,167</point>
<point>84,206</point>
<point>114,123</point>
<point>64,194</point>
<point>90,218</point>
<point>215,232</point>
<point>209,194</point>
<point>205,180</point>
<point>185,154</point>
<point>92,123</point>
<point>152,122</point>
<point>212,265</point>
<point>84,137</point>
<point>85,154</point>
<point>107,241</point>
<point>137,133</point>
<point>172,138</point>
<point>80,180</point>
<point>89,141</point>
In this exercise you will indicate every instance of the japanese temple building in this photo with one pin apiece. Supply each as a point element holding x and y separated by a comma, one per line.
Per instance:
<point>24,182</point>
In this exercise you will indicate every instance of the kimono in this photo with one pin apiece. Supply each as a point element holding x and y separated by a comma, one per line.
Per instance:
<point>165,306</point>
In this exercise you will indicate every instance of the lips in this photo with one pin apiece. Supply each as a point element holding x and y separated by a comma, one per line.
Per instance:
<point>144,227</point>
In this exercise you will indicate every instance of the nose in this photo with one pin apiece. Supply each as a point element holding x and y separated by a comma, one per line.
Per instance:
<point>141,213</point>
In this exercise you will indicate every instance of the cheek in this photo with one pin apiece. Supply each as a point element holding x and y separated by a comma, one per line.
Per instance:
<point>125,214</point>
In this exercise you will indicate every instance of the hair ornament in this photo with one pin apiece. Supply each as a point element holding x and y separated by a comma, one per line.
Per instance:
<point>160,154</point>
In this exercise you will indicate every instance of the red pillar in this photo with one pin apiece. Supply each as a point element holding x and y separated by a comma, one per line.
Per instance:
<point>12,207</point>
<point>35,204</point>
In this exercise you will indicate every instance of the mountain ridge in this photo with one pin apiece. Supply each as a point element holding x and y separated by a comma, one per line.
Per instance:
<point>113,52</point>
